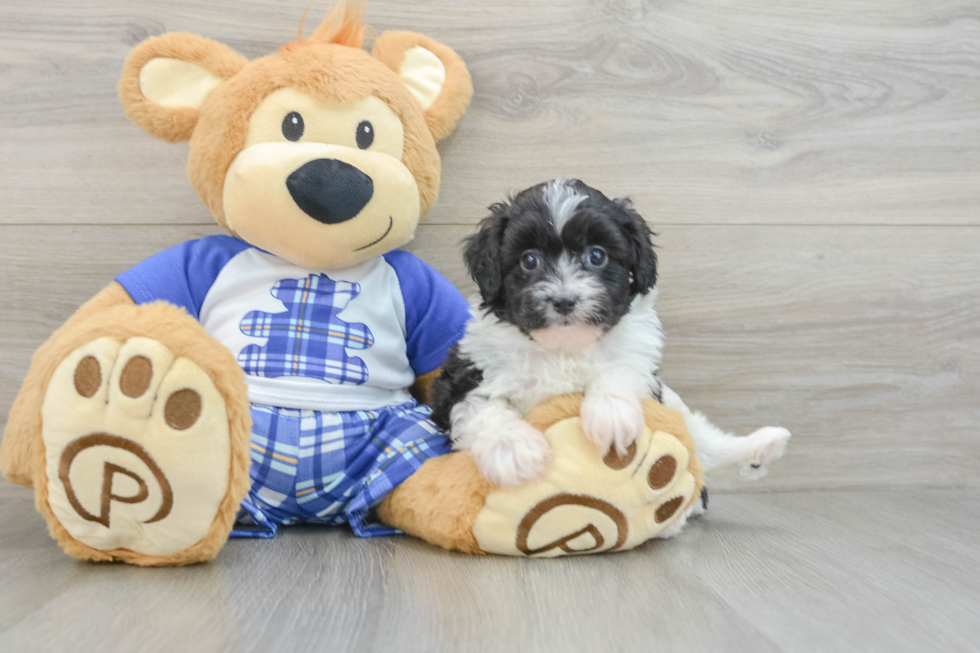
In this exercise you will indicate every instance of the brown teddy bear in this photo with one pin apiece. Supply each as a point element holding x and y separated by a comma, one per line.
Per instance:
<point>236,384</point>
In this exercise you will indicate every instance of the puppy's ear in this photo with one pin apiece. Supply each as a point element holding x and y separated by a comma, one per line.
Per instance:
<point>643,260</point>
<point>483,254</point>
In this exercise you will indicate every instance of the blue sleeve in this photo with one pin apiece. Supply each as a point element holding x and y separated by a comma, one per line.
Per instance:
<point>435,312</point>
<point>183,274</point>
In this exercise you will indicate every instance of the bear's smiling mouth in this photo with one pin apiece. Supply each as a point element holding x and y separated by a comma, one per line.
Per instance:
<point>391,223</point>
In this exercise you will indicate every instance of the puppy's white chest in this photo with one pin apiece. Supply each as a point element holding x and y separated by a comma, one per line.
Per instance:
<point>533,377</point>
<point>519,370</point>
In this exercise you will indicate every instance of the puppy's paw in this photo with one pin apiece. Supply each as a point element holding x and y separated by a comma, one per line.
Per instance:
<point>612,420</point>
<point>517,455</point>
<point>768,445</point>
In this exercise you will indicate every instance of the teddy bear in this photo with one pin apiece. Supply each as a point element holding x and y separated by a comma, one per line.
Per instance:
<point>237,384</point>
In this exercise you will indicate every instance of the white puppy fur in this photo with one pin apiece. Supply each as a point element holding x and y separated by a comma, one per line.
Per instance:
<point>616,372</point>
<point>716,448</point>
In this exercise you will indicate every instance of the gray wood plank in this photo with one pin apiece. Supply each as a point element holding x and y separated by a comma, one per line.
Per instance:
<point>11,492</point>
<point>841,571</point>
<point>864,341</point>
<point>845,111</point>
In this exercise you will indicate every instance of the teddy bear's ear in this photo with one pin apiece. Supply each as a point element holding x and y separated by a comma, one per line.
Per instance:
<point>166,80</point>
<point>435,75</point>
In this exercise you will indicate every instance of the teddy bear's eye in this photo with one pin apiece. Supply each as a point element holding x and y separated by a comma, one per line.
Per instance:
<point>292,126</point>
<point>365,134</point>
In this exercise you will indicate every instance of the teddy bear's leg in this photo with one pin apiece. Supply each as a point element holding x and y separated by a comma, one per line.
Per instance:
<point>140,443</point>
<point>586,502</point>
<point>440,502</point>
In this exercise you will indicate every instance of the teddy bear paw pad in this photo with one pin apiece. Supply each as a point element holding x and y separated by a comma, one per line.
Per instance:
<point>137,448</point>
<point>587,502</point>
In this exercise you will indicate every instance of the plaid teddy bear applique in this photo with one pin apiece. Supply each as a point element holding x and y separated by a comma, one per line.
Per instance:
<point>309,339</point>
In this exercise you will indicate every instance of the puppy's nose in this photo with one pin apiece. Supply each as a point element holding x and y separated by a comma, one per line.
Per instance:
<point>330,191</point>
<point>564,305</point>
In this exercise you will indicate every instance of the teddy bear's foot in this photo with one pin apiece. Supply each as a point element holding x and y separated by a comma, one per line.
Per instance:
<point>136,453</point>
<point>586,502</point>
<point>696,509</point>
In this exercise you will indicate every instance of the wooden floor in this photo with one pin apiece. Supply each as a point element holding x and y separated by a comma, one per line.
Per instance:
<point>812,170</point>
<point>885,570</point>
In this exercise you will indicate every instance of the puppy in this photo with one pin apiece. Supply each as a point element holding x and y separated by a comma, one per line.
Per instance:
<point>566,279</point>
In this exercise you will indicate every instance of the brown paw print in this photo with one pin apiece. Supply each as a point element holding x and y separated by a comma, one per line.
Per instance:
<point>588,503</point>
<point>137,447</point>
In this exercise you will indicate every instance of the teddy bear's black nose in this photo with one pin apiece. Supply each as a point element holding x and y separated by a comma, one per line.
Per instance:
<point>330,191</point>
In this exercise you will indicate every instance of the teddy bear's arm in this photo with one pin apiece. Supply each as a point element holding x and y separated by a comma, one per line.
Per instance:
<point>23,430</point>
<point>435,319</point>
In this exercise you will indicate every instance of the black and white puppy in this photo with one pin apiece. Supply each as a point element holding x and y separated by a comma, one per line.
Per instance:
<point>566,279</point>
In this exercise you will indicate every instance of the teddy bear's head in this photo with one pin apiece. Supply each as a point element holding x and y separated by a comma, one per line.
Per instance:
<point>321,153</point>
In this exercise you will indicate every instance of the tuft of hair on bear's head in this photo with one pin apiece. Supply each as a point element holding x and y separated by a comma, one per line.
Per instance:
<point>344,25</point>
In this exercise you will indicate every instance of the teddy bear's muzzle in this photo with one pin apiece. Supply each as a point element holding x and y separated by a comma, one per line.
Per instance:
<point>320,205</point>
<point>329,190</point>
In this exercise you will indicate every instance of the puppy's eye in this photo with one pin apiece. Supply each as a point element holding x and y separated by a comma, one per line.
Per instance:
<point>529,261</point>
<point>597,257</point>
<point>365,134</point>
<point>293,126</point>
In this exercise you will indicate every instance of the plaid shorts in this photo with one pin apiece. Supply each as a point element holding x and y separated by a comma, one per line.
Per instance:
<point>332,468</point>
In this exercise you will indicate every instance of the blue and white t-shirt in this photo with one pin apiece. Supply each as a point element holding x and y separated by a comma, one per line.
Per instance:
<point>329,340</point>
